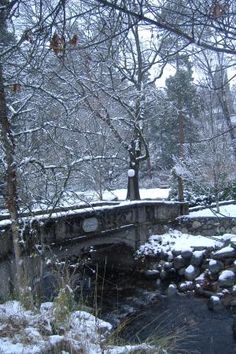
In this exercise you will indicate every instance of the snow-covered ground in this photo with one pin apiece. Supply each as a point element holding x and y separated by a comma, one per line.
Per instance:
<point>151,193</point>
<point>28,332</point>
<point>176,240</point>
<point>225,210</point>
<point>70,198</point>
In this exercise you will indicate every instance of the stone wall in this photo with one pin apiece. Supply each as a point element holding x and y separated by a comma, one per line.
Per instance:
<point>66,233</point>
<point>206,226</point>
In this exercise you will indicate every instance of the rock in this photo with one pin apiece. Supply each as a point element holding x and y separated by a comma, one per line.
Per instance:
<point>234,290</point>
<point>200,279</point>
<point>191,272</point>
<point>233,244</point>
<point>48,287</point>
<point>214,303</point>
<point>172,290</point>
<point>170,257</point>
<point>202,292</point>
<point>171,274</point>
<point>187,253</point>
<point>167,266</point>
<point>232,306</point>
<point>213,277</point>
<point>163,274</point>
<point>197,258</point>
<point>179,262</point>
<point>196,224</point>
<point>215,266</point>
<point>186,286</point>
<point>225,252</point>
<point>176,252</point>
<point>152,274</point>
<point>181,271</point>
<point>226,278</point>
<point>229,262</point>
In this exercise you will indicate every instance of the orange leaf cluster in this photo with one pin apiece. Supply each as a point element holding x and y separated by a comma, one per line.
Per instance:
<point>74,40</point>
<point>16,87</point>
<point>57,43</point>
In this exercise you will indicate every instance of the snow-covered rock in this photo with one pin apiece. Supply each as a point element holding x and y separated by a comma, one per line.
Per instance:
<point>172,290</point>
<point>214,303</point>
<point>225,252</point>
<point>191,272</point>
<point>226,278</point>
<point>215,266</point>
<point>186,286</point>
<point>197,258</point>
<point>179,262</point>
<point>187,253</point>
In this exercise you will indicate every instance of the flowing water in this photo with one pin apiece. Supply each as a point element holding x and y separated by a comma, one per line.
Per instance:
<point>150,315</point>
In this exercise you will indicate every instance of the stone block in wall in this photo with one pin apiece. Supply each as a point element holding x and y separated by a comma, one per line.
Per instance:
<point>196,224</point>
<point>206,226</point>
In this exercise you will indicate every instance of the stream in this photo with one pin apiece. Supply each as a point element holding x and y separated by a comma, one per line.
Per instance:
<point>147,314</point>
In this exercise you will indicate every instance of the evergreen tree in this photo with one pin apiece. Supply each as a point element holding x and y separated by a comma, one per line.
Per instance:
<point>182,95</point>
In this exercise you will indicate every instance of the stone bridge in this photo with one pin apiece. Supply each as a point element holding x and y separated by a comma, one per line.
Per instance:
<point>70,232</point>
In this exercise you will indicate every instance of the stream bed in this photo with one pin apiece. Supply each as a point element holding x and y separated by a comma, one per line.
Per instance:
<point>147,314</point>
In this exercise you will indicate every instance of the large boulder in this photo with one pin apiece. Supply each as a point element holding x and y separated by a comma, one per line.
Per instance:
<point>226,278</point>
<point>215,266</point>
<point>187,253</point>
<point>197,258</point>
<point>172,290</point>
<point>179,262</point>
<point>214,303</point>
<point>225,252</point>
<point>191,272</point>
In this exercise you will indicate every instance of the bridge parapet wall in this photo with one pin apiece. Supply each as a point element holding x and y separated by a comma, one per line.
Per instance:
<point>68,232</point>
<point>89,223</point>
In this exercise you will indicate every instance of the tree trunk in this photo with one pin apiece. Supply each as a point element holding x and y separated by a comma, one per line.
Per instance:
<point>181,154</point>
<point>11,184</point>
<point>133,176</point>
<point>133,186</point>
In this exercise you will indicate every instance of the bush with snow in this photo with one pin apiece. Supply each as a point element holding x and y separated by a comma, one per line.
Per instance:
<point>29,332</point>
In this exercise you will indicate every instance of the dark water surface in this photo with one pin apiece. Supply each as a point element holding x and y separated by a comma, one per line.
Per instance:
<point>202,331</point>
<point>185,318</point>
